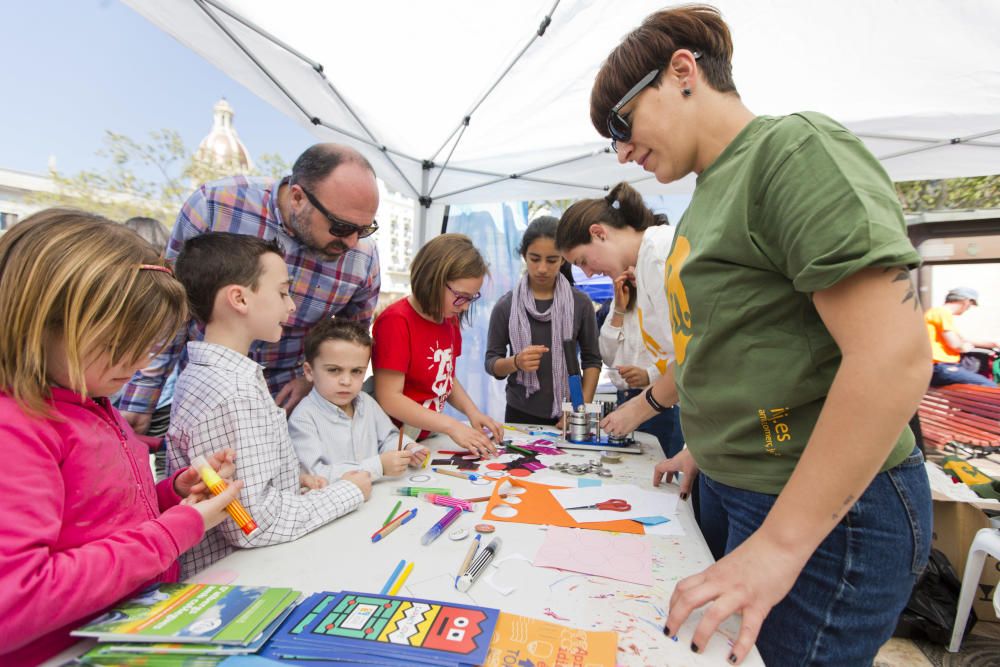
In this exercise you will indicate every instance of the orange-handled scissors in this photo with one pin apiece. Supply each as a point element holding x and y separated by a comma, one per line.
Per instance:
<point>614,505</point>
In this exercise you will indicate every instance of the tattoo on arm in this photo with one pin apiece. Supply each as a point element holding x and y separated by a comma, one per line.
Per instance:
<point>902,275</point>
<point>843,508</point>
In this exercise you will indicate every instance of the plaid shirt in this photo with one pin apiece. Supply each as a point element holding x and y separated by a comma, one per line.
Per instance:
<point>347,286</point>
<point>221,401</point>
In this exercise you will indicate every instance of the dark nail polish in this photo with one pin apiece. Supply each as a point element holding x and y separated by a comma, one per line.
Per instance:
<point>732,658</point>
<point>684,496</point>
<point>694,647</point>
<point>666,630</point>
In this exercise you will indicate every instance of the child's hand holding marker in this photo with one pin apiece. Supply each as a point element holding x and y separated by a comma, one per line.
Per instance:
<point>189,483</point>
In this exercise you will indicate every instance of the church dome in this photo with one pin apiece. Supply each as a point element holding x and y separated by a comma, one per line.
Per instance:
<point>222,147</point>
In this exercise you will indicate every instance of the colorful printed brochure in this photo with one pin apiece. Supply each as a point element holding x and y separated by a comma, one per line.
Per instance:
<point>390,630</point>
<point>519,640</point>
<point>192,614</point>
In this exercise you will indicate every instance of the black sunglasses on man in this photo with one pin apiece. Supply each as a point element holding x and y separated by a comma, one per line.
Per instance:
<point>340,228</point>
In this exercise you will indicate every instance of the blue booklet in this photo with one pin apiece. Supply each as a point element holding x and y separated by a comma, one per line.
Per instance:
<point>364,629</point>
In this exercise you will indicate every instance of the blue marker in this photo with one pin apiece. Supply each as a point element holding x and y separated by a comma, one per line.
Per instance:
<point>438,528</point>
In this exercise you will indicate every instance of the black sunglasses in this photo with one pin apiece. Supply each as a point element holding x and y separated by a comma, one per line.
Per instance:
<point>340,228</point>
<point>618,125</point>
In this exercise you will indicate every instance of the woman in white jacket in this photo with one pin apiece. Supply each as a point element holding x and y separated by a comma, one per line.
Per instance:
<point>619,236</point>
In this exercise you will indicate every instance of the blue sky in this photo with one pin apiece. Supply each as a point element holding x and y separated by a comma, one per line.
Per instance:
<point>75,68</point>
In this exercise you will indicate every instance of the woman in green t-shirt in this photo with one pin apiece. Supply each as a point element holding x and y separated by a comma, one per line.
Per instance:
<point>791,308</point>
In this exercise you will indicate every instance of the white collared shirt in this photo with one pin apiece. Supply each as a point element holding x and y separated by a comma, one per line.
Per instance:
<point>644,339</point>
<point>221,400</point>
<point>329,443</point>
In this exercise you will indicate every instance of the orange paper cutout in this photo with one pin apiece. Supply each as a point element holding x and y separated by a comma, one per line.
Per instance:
<point>539,506</point>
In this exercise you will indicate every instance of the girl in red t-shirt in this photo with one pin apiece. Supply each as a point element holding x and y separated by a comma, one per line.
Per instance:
<point>418,340</point>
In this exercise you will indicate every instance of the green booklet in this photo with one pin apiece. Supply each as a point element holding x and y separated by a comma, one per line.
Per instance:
<point>192,613</point>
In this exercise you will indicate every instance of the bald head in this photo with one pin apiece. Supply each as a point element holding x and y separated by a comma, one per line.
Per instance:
<point>320,160</point>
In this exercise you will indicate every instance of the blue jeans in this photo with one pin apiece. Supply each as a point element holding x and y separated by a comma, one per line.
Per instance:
<point>664,426</point>
<point>944,374</point>
<point>846,601</point>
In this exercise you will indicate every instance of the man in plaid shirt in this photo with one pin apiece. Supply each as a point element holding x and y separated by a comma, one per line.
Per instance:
<point>321,214</point>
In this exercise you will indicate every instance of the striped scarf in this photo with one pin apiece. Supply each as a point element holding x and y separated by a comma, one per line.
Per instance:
<point>560,314</point>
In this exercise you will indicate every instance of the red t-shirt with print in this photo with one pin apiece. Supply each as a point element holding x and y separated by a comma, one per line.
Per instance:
<point>424,351</point>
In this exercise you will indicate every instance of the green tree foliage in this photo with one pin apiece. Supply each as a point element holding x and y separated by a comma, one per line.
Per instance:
<point>118,191</point>
<point>951,193</point>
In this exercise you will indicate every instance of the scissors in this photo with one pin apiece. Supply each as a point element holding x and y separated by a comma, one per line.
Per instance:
<point>614,505</point>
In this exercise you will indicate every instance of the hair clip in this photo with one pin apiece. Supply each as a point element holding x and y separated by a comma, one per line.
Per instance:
<point>616,204</point>
<point>156,267</point>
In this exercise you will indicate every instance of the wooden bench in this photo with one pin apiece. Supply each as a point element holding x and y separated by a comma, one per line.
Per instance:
<point>962,417</point>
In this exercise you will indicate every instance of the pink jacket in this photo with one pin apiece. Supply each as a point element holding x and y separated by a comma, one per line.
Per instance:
<point>81,523</point>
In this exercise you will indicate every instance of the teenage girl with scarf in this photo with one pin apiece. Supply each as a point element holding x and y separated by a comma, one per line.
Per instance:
<point>527,329</point>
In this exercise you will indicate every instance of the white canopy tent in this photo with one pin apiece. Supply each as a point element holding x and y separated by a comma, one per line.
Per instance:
<point>469,102</point>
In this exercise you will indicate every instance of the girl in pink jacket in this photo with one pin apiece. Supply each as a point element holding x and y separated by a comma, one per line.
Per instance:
<point>82,301</point>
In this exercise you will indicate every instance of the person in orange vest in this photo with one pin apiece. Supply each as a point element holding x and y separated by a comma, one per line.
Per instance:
<point>947,345</point>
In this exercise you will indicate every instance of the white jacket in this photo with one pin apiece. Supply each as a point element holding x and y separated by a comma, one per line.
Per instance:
<point>644,339</point>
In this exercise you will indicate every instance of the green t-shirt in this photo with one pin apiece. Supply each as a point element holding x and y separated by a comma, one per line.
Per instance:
<point>792,206</point>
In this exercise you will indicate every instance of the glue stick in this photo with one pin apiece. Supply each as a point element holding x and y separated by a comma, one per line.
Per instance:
<point>217,485</point>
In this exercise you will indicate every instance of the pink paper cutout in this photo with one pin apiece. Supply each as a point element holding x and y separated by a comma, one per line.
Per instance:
<point>612,555</point>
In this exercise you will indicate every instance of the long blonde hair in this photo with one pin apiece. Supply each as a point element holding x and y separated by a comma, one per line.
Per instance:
<point>78,275</point>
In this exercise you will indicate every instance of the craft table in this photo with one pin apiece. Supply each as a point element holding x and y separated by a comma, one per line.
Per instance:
<point>341,556</point>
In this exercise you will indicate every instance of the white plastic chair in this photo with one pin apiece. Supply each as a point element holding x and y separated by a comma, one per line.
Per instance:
<point>987,541</point>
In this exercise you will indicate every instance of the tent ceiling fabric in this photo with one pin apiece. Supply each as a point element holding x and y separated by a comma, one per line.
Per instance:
<point>908,76</point>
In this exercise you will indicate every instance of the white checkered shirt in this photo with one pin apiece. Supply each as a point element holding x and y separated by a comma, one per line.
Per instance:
<point>221,400</point>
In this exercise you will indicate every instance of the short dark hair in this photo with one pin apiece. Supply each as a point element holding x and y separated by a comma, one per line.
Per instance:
<point>652,45</point>
<point>334,329</point>
<point>319,160</point>
<point>213,260</point>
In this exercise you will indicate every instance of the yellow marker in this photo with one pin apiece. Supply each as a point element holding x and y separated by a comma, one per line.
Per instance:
<point>402,579</point>
<point>217,485</point>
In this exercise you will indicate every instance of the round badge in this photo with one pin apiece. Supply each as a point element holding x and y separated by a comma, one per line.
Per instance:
<point>485,528</point>
<point>494,474</point>
<point>458,534</point>
<point>519,472</point>
<point>480,481</point>
<point>496,466</point>
<point>418,479</point>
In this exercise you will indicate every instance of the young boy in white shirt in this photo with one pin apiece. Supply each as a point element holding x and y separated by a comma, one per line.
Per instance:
<point>338,427</point>
<point>237,286</point>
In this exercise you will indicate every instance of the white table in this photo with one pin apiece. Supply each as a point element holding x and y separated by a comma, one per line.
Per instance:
<point>341,556</point>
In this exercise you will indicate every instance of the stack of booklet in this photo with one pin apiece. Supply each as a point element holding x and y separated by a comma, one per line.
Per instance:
<point>361,629</point>
<point>187,624</point>
<point>349,628</point>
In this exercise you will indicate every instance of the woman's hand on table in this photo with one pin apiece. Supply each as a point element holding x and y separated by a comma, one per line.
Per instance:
<point>311,482</point>
<point>627,417</point>
<point>682,465</point>
<point>749,581</point>
<point>472,438</point>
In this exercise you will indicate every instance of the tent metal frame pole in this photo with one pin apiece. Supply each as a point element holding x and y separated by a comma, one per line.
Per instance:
<point>318,69</point>
<point>939,144</point>
<point>475,107</point>
<point>928,140</point>
<point>423,194</point>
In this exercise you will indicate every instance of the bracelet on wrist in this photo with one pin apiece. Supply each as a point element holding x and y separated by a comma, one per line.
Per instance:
<point>653,403</point>
<point>620,312</point>
<point>516,367</point>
